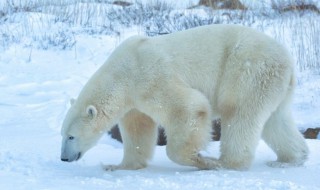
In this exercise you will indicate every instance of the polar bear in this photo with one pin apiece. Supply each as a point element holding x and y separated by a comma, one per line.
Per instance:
<point>182,81</point>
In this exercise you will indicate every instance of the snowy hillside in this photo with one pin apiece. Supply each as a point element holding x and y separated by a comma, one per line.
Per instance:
<point>46,57</point>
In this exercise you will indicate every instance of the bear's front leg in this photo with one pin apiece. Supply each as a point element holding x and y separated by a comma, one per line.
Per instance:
<point>188,130</point>
<point>184,154</point>
<point>139,135</point>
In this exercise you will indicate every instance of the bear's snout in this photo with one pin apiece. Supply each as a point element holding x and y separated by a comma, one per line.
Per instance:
<point>72,158</point>
<point>65,159</point>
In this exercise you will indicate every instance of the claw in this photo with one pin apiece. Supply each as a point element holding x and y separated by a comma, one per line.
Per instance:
<point>111,167</point>
<point>207,163</point>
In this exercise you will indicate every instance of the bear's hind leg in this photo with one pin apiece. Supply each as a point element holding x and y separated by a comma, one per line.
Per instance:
<point>240,136</point>
<point>284,138</point>
<point>139,134</point>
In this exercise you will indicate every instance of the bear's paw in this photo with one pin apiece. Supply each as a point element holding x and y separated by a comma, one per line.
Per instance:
<point>206,163</point>
<point>277,164</point>
<point>135,166</point>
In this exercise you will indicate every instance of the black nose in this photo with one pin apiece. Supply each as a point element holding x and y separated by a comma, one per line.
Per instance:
<point>64,159</point>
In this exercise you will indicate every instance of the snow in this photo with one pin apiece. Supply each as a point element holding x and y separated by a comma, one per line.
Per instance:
<point>36,84</point>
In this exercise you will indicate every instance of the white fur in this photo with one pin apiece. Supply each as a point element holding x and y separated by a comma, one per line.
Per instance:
<point>183,81</point>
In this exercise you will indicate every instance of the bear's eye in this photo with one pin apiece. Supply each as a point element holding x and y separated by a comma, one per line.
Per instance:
<point>70,137</point>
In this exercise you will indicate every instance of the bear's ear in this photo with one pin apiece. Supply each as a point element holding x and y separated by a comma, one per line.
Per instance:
<point>92,111</point>
<point>72,101</point>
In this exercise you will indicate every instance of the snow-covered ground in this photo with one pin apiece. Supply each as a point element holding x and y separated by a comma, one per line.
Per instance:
<point>35,87</point>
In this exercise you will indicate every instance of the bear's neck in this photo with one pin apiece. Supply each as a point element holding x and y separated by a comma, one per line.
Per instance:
<point>108,91</point>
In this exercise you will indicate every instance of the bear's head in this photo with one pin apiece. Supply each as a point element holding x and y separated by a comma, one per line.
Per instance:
<point>81,129</point>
